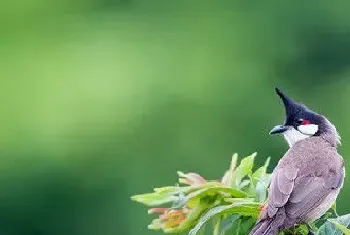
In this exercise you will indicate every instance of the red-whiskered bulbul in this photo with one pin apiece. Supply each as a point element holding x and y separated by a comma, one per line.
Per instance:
<point>307,180</point>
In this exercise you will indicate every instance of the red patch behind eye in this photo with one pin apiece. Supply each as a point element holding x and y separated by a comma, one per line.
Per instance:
<point>305,122</point>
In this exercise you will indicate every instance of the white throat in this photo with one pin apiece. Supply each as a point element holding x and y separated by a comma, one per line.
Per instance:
<point>305,131</point>
<point>292,136</point>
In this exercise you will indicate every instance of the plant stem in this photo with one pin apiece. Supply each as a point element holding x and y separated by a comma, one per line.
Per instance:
<point>217,227</point>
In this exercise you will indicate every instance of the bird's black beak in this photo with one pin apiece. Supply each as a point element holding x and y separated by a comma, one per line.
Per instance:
<point>278,129</point>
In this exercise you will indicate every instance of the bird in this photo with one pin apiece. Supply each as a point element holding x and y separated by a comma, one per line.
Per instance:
<point>307,179</point>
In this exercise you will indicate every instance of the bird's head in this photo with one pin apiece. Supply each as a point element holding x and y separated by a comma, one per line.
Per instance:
<point>302,123</point>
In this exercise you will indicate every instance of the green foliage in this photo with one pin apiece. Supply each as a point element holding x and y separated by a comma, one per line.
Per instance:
<point>232,203</point>
<point>335,226</point>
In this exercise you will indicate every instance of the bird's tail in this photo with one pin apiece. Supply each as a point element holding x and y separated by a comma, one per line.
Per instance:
<point>264,227</point>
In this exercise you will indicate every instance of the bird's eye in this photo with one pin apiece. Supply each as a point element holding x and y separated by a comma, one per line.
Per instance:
<point>299,121</point>
<point>303,121</point>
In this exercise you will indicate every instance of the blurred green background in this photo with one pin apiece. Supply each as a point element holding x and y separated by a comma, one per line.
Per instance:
<point>102,99</point>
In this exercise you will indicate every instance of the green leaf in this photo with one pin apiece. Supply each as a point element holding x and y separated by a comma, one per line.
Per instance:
<point>242,226</point>
<point>344,229</point>
<point>235,193</point>
<point>208,191</point>
<point>245,226</point>
<point>168,190</point>
<point>300,230</point>
<point>239,200</point>
<point>261,188</point>
<point>334,206</point>
<point>344,220</point>
<point>246,184</point>
<point>329,227</point>
<point>180,201</point>
<point>217,226</point>
<point>261,172</point>
<point>242,208</point>
<point>227,178</point>
<point>212,212</point>
<point>236,227</point>
<point>154,199</point>
<point>226,224</point>
<point>250,188</point>
<point>244,168</point>
<point>260,181</point>
<point>177,195</point>
<point>156,224</point>
<point>189,189</point>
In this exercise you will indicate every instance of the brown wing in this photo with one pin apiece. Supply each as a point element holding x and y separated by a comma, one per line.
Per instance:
<point>299,195</point>
<point>281,187</point>
<point>309,192</point>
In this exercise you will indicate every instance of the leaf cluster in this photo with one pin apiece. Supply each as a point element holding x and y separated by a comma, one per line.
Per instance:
<point>229,205</point>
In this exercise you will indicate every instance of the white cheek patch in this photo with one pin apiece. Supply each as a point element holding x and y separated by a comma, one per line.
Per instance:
<point>309,129</point>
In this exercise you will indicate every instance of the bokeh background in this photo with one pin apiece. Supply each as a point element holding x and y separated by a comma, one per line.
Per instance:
<point>102,99</point>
